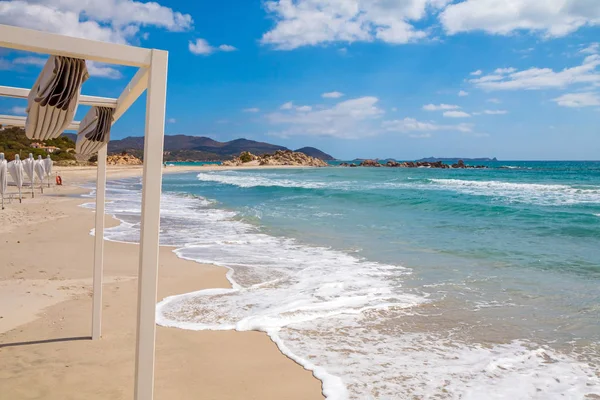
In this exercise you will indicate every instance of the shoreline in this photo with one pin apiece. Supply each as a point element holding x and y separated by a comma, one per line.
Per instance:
<point>55,297</point>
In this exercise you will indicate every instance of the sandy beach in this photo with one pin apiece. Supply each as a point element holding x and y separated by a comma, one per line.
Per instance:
<point>45,314</point>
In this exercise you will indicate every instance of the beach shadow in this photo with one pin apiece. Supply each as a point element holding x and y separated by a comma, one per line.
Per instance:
<point>68,339</point>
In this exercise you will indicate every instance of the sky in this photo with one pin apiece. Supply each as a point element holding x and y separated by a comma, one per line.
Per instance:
<point>513,79</point>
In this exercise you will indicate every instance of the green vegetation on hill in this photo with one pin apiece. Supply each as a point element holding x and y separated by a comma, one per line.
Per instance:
<point>13,141</point>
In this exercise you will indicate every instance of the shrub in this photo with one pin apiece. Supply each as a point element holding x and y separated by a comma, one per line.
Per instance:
<point>246,157</point>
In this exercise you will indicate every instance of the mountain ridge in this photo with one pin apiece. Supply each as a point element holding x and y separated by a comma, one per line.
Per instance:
<point>202,148</point>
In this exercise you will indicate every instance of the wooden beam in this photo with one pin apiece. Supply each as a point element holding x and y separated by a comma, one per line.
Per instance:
<point>16,120</point>
<point>22,93</point>
<point>150,225</point>
<point>12,37</point>
<point>99,245</point>
<point>132,92</point>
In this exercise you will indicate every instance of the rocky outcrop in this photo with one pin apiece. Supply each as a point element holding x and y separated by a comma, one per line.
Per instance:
<point>414,164</point>
<point>123,159</point>
<point>280,157</point>
<point>370,163</point>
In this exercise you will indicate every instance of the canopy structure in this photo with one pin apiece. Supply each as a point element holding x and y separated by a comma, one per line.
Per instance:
<point>151,76</point>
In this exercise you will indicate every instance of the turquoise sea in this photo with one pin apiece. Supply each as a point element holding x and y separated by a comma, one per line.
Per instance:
<point>394,283</point>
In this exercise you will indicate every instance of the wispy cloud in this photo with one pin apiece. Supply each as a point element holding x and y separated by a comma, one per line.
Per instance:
<point>577,100</point>
<point>350,119</point>
<point>541,78</point>
<point>462,93</point>
<point>251,110</point>
<point>202,47</point>
<point>440,107</point>
<point>413,125</point>
<point>456,114</point>
<point>332,95</point>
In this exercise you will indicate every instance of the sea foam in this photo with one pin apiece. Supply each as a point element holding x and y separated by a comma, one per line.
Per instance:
<point>336,314</point>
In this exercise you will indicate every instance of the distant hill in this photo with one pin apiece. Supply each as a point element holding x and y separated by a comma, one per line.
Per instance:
<point>453,159</point>
<point>316,153</point>
<point>200,148</point>
<point>13,141</point>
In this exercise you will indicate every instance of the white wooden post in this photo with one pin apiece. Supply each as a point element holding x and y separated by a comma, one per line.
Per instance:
<point>99,245</point>
<point>150,225</point>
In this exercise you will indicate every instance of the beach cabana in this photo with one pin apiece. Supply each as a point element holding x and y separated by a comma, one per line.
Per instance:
<point>151,77</point>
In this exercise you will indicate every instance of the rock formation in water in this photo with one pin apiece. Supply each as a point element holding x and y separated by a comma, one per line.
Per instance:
<point>280,157</point>
<point>412,164</point>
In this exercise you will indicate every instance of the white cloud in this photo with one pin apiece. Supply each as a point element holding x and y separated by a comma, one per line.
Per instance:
<point>304,108</point>
<point>30,60</point>
<point>551,18</point>
<point>440,107</point>
<point>413,125</point>
<point>251,110</point>
<point>462,93</point>
<point>491,112</point>
<point>227,48</point>
<point>332,95</point>
<point>456,114</point>
<point>18,110</point>
<point>541,78</point>
<point>502,71</point>
<point>102,70</point>
<point>494,100</point>
<point>584,99</point>
<point>171,120</point>
<point>348,119</point>
<point>313,22</point>
<point>118,21</point>
<point>202,47</point>
<point>477,73</point>
<point>287,106</point>
<point>593,48</point>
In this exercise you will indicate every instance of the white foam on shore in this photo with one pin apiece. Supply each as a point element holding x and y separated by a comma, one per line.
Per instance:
<point>334,313</point>
<point>534,193</point>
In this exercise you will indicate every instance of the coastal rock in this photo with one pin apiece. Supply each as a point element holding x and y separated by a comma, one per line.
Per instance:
<point>413,164</point>
<point>280,157</point>
<point>123,159</point>
<point>370,163</point>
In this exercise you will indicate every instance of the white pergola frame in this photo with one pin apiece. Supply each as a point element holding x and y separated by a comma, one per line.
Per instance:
<point>151,76</point>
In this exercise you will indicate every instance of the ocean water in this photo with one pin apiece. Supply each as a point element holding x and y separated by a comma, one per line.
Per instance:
<point>398,283</point>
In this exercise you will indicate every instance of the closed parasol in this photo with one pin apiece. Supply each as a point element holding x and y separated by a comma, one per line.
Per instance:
<point>29,167</point>
<point>40,171</point>
<point>15,168</point>
<point>48,163</point>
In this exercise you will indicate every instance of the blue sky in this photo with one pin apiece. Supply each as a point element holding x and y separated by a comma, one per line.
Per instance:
<point>355,78</point>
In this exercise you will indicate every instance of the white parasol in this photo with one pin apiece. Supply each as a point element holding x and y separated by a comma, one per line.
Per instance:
<point>17,172</point>
<point>48,163</point>
<point>40,171</point>
<point>94,130</point>
<point>52,101</point>
<point>3,177</point>
<point>29,167</point>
